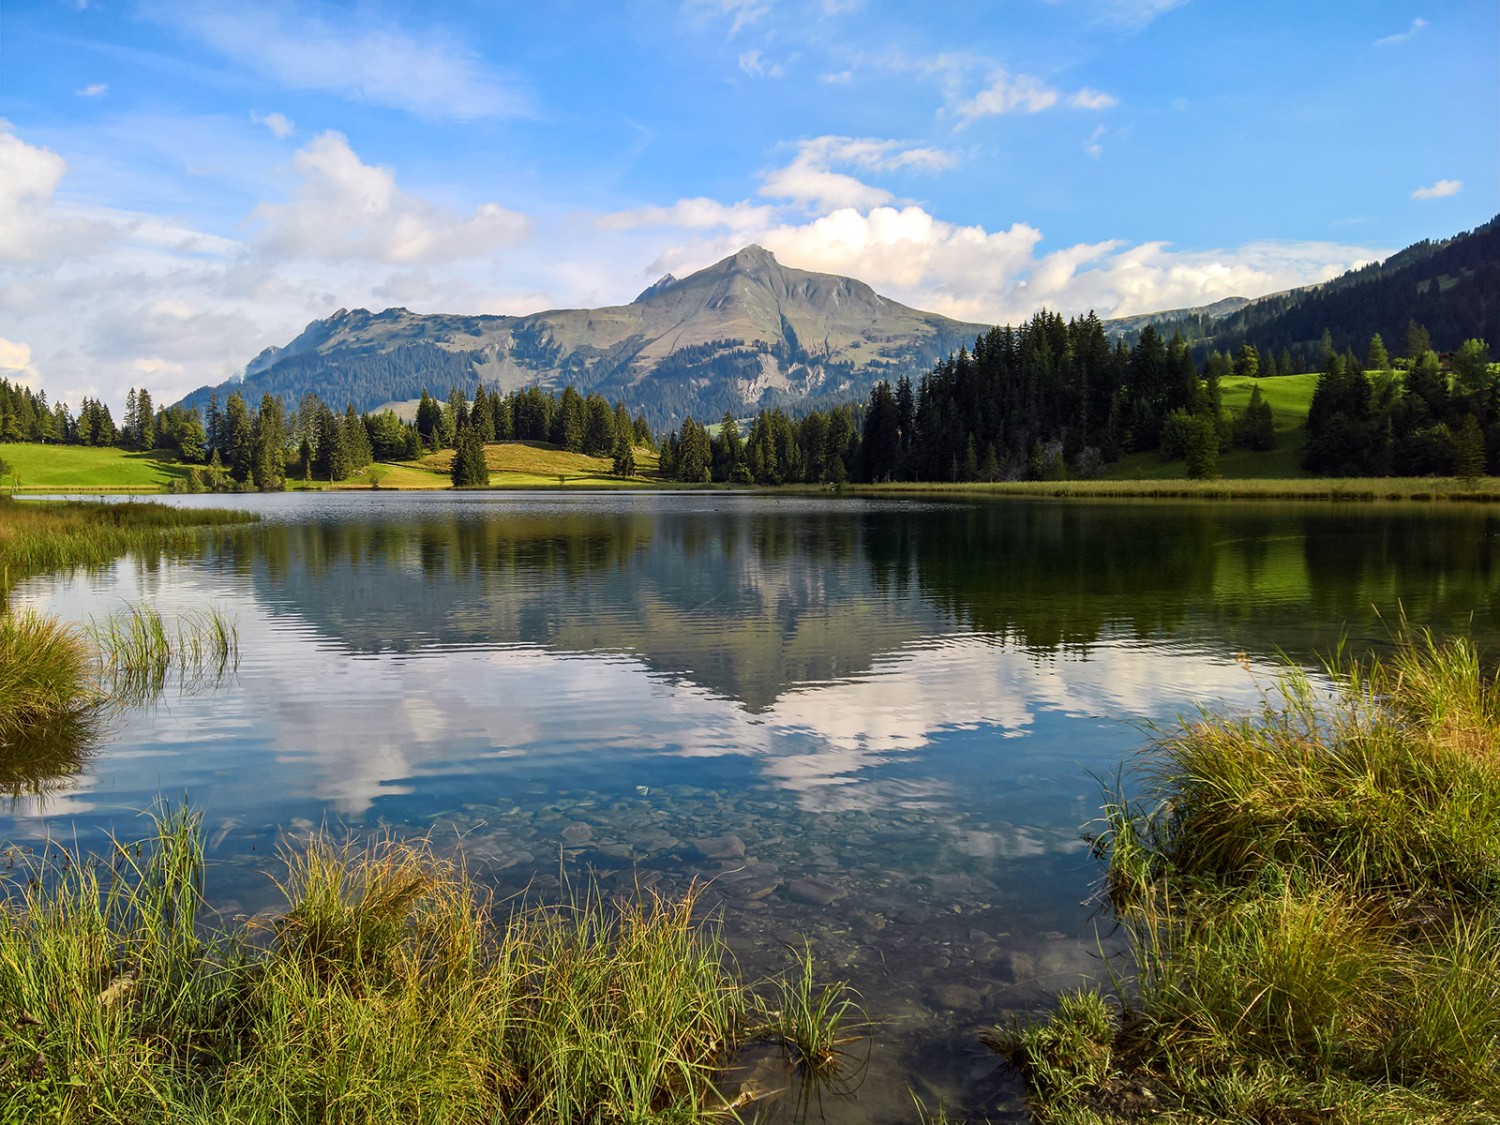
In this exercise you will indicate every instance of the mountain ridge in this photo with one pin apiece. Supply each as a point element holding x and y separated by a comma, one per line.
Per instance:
<point>744,333</point>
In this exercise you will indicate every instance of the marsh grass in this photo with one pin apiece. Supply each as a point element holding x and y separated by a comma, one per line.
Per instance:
<point>390,989</point>
<point>39,536</point>
<point>45,672</point>
<point>1312,900</point>
<point>138,650</point>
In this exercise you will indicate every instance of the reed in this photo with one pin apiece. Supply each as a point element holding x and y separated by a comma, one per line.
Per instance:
<point>138,649</point>
<point>45,672</point>
<point>41,536</point>
<point>390,989</point>
<point>1312,900</point>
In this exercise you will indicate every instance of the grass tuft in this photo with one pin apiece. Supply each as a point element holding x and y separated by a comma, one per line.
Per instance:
<point>1312,898</point>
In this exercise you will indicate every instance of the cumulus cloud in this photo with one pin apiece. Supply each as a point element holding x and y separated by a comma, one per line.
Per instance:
<point>280,126</point>
<point>16,365</point>
<point>1439,190</point>
<point>1401,37</point>
<point>810,180</point>
<point>428,73</point>
<point>1002,276</point>
<point>346,209</point>
<point>30,229</point>
<point>94,90</point>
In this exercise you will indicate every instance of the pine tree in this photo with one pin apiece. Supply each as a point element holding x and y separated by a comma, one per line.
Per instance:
<point>624,464</point>
<point>469,469</point>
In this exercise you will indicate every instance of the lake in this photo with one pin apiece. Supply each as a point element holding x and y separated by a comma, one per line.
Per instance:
<point>878,726</point>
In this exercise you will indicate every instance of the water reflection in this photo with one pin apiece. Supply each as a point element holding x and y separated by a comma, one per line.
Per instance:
<point>876,724</point>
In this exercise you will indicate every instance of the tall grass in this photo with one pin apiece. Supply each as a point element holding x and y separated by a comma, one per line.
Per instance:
<point>1312,897</point>
<point>41,536</point>
<point>390,989</point>
<point>138,649</point>
<point>45,672</point>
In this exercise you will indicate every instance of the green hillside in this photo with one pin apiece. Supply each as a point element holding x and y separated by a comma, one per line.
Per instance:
<point>1288,396</point>
<point>63,468</point>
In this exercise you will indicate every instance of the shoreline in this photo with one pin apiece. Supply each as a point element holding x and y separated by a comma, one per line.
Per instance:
<point>1484,490</point>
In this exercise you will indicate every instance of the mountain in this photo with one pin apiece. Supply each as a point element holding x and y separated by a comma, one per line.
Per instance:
<point>745,333</point>
<point>1450,286</point>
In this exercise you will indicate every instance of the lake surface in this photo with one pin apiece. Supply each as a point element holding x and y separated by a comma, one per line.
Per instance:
<point>878,726</point>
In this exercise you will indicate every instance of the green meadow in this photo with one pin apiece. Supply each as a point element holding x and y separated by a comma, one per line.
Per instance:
<point>66,468</point>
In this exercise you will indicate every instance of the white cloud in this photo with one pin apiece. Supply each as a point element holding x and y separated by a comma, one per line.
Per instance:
<point>1132,14</point>
<point>983,276</point>
<point>1092,145</point>
<point>280,126</point>
<point>346,209</point>
<point>841,78</point>
<point>810,180</point>
<point>1024,93</point>
<point>16,365</point>
<point>93,90</point>
<point>692,214</point>
<point>1008,93</point>
<point>757,65</point>
<point>360,57</point>
<point>1401,37</point>
<point>741,13</point>
<point>30,230</point>
<point>1439,190</point>
<point>1092,99</point>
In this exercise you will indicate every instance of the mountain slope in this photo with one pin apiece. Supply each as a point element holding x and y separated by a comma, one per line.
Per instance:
<point>1450,286</point>
<point>746,332</point>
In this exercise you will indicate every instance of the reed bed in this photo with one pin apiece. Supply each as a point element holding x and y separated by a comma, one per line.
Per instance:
<point>138,650</point>
<point>1312,899</point>
<point>389,989</point>
<point>39,536</point>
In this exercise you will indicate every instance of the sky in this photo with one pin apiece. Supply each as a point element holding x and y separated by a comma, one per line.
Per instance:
<point>184,183</point>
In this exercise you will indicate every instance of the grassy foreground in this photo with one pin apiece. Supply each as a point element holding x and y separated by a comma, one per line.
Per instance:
<point>386,991</point>
<point>1312,897</point>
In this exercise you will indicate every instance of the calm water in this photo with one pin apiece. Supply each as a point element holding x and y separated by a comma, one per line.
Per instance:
<point>876,726</point>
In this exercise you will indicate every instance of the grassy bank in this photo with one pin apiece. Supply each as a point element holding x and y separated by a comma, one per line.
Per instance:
<point>1422,489</point>
<point>389,989</point>
<point>1312,896</point>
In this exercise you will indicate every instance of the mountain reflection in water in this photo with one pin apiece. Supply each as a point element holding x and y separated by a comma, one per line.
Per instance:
<point>897,710</point>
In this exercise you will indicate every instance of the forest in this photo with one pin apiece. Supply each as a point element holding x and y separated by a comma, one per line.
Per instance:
<point>1050,399</point>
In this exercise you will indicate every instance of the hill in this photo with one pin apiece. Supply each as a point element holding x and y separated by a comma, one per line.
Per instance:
<point>1450,286</point>
<point>742,334</point>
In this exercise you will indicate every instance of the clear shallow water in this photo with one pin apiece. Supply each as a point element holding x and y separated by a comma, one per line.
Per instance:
<point>874,725</point>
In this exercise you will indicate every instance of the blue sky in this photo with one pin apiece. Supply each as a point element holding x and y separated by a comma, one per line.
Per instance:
<point>184,182</point>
